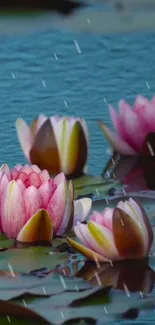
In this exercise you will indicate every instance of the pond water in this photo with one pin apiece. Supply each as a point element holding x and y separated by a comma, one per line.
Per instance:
<point>72,74</point>
<point>44,72</point>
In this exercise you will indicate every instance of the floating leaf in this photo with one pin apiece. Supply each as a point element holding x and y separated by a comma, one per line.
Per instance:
<point>95,186</point>
<point>15,286</point>
<point>111,310</point>
<point>28,259</point>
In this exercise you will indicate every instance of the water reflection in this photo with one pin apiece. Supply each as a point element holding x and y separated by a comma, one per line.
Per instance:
<point>129,275</point>
<point>137,172</point>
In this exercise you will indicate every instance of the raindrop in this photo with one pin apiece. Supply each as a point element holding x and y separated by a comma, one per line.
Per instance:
<point>55,56</point>
<point>24,303</point>
<point>63,282</point>
<point>44,291</point>
<point>62,315</point>
<point>77,46</point>
<point>11,270</point>
<point>65,103</point>
<point>8,318</point>
<point>98,279</point>
<point>43,82</point>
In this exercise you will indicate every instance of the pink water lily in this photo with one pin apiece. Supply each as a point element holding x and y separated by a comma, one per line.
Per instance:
<point>33,206</point>
<point>133,124</point>
<point>58,144</point>
<point>115,234</point>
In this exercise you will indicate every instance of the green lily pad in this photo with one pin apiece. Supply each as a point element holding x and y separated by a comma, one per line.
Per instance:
<point>104,310</point>
<point>94,185</point>
<point>28,259</point>
<point>13,287</point>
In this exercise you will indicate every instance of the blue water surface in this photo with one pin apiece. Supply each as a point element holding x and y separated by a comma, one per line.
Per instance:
<point>44,72</point>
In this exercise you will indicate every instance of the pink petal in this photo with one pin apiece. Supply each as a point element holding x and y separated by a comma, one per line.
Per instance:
<point>5,169</point>
<point>153,101</point>
<point>68,217</point>
<point>82,232</point>
<point>103,218</point>
<point>107,218</point>
<point>46,190</point>
<point>36,169</point>
<point>3,185</point>
<point>97,217</point>
<point>40,121</point>
<point>57,205</point>
<point>22,176</point>
<point>117,122</point>
<point>59,178</point>
<point>32,201</point>
<point>12,210</point>
<point>82,208</point>
<point>33,179</point>
<point>25,136</point>
<point>44,175</point>
<point>14,174</point>
<point>146,113</point>
<point>21,184</point>
<point>26,169</point>
<point>88,253</point>
<point>131,123</point>
<point>18,167</point>
<point>116,142</point>
<point>104,239</point>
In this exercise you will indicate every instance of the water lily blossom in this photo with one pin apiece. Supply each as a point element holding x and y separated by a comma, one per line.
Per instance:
<point>33,206</point>
<point>115,234</point>
<point>133,125</point>
<point>58,144</point>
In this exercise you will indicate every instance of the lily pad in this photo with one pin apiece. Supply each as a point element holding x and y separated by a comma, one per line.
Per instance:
<point>28,259</point>
<point>112,309</point>
<point>95,186</point>
<point>12,287</point>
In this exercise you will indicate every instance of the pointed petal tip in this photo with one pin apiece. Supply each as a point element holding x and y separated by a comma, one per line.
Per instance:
<point>5,168</point>
<point>88,253</point>
<point>38,228</point>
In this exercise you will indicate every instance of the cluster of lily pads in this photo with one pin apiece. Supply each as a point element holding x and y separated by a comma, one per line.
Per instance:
<point>40,205</point>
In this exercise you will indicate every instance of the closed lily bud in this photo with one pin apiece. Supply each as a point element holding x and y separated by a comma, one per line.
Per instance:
<point>115,234</point>
<point>58,144</point>
<point>34,207</point>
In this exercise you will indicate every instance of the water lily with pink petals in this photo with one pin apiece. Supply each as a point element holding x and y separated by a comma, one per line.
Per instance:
<point>58,144</point>
<point>115,234</point>
<point>133,125</point>
<point>34,206</point>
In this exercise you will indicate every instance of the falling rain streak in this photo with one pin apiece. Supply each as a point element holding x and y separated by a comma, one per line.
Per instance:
<point>77,47</point>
